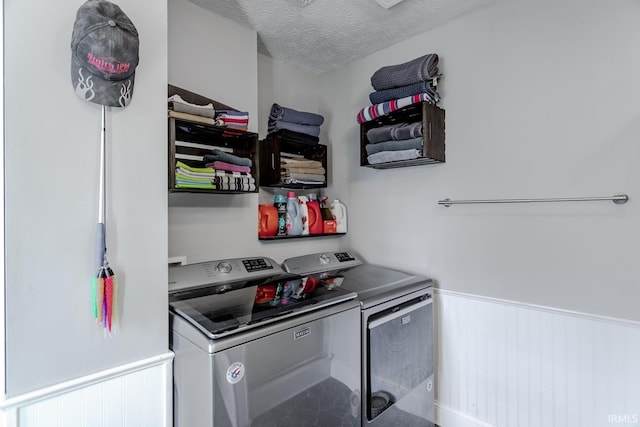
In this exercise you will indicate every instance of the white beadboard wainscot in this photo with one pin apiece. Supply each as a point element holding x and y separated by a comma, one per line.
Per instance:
<point>133,395</point>
<point>507,364</point>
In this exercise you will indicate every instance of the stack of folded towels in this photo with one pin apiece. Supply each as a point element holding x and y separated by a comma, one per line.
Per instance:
<point>298,170</point>
<point>397,86</point>
<point>297,126</point>
<point>238,120</point>
<point>181,109</point>
<point>190,177</point>
<point>207,114</point>
<point>232,173</point>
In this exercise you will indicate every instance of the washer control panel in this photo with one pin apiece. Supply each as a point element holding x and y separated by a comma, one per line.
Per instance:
<point>183,277</point>
<point>321,262</point>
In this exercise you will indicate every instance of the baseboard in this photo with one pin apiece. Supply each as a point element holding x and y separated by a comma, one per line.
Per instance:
<point>447,417</point>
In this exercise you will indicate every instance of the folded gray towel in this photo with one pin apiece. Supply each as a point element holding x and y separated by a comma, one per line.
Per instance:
<point>290,115</point>
<point>295,127</point>
<point>221,156</point>
<point>395,132</point>
<point>385,95</point>
<point>393,156</point>
<point>414,71</point>
<point>405,144</point>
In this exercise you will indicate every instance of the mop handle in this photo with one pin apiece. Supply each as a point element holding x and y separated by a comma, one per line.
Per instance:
<point>100,240</point>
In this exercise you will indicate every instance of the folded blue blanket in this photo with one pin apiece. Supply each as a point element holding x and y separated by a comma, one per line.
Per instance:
<point>395,132</point>
<point>405,144</point>
<point>403,91</point>
<point>219,155</point>
<point>295,127</point>
<point>290,115</point>
<point>414,71</point>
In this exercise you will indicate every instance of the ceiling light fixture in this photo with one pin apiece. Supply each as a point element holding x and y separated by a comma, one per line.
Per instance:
<point>388,3</point>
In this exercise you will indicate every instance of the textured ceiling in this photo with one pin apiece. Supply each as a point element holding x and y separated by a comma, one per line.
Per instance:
<point>326,34</point>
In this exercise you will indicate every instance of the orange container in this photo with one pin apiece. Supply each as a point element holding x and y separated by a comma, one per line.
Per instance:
<point>267,220</point>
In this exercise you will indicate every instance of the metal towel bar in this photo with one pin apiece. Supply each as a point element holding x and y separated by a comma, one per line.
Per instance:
<point>618,199</point>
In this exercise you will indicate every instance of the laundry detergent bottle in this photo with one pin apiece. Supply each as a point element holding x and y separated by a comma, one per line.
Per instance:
<point>315,219</point>
<point>280,203</point>
<point>294,216</point>
<point>339,212</point>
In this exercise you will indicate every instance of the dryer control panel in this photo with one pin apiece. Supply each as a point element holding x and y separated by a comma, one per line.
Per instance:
<point>321,262</point>
<point>215,272</point>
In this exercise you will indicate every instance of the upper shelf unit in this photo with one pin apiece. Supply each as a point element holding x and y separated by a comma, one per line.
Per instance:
<point>190,141</point>
<point>275,149</point>
<point>433,134</point>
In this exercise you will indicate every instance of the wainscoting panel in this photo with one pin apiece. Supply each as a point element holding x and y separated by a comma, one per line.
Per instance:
<point>508,364</point>
<point>139,397</point>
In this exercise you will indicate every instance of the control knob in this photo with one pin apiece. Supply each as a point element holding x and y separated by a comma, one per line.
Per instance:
<point>223,267</point>
<point>324,259</point>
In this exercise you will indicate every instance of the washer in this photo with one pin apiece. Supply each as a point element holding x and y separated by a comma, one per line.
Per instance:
<point>256,346</point>
<point>396,329</point>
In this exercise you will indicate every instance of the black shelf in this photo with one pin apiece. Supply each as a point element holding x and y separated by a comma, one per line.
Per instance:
<point>433,133</point>
<point>273,147</point>
<point>300,236</point>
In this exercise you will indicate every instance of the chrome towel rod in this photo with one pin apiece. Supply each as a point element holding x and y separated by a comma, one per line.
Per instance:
<point>618,199</point>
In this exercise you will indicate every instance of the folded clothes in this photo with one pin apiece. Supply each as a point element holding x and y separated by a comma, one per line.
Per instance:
<point>317,171</point>
<point>303,176</point>
<point>183,165</point>
<point>404,91</point>
<point>394,132</point>
<point>192,117</point>
<point>202,186</point>
<point>372,112</point>
<point>176,103</point>
<point>219,165</point>
<point>234,179</point>
<point>219,155</point>
<point>301,162</point>
<point>290,115</point>
<point>393,156</point>
<point>416,70</point>
<point>293,136</point>
<point>233,185</point>
<point>188,173</point>
<point>233,113</point>
<point>403,144</point>
<point>312,130</point>
<point>192,179</point>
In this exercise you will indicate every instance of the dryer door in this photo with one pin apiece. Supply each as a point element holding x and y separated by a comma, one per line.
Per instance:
<point>400,356</point>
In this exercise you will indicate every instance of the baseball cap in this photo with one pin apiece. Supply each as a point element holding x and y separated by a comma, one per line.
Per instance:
<point>104,54</point>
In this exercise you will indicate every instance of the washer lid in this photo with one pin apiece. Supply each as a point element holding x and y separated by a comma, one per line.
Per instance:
<point>376,284</point>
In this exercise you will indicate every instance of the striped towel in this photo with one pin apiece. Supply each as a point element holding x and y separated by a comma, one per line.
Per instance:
<point>372,112</point>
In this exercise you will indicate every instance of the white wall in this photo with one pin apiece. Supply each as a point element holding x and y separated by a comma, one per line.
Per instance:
<point>206,227</point>
<point>541,100</point>
<point>52,146</point>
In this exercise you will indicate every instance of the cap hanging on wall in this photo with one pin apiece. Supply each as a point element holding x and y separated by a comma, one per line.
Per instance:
<point>104,54</point>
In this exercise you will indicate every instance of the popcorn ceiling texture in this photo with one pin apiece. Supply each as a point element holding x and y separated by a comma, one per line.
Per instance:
<point>327,34</point>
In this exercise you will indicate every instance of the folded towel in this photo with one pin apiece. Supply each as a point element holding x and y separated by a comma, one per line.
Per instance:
<point>317,171</point>
<point>219,155</point>
<point>312,130</point>
<point>233,113</point>
<point>292,136</point>
<point>304,176</point>
<point>372,112</point>
<point>176,103</point>
<point>394,132</point>
<point>404,91</point>
<point>301,163</point>
<point>393,156</point>
<point>404,144</point>
<point>188,173</point>
<point>419,69</point>
<point>192,179</point>
<point>290,115</point>
<point>192,117</point>
<point>201,186</point>
<point>219,165</point>
<point>183,165</point>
